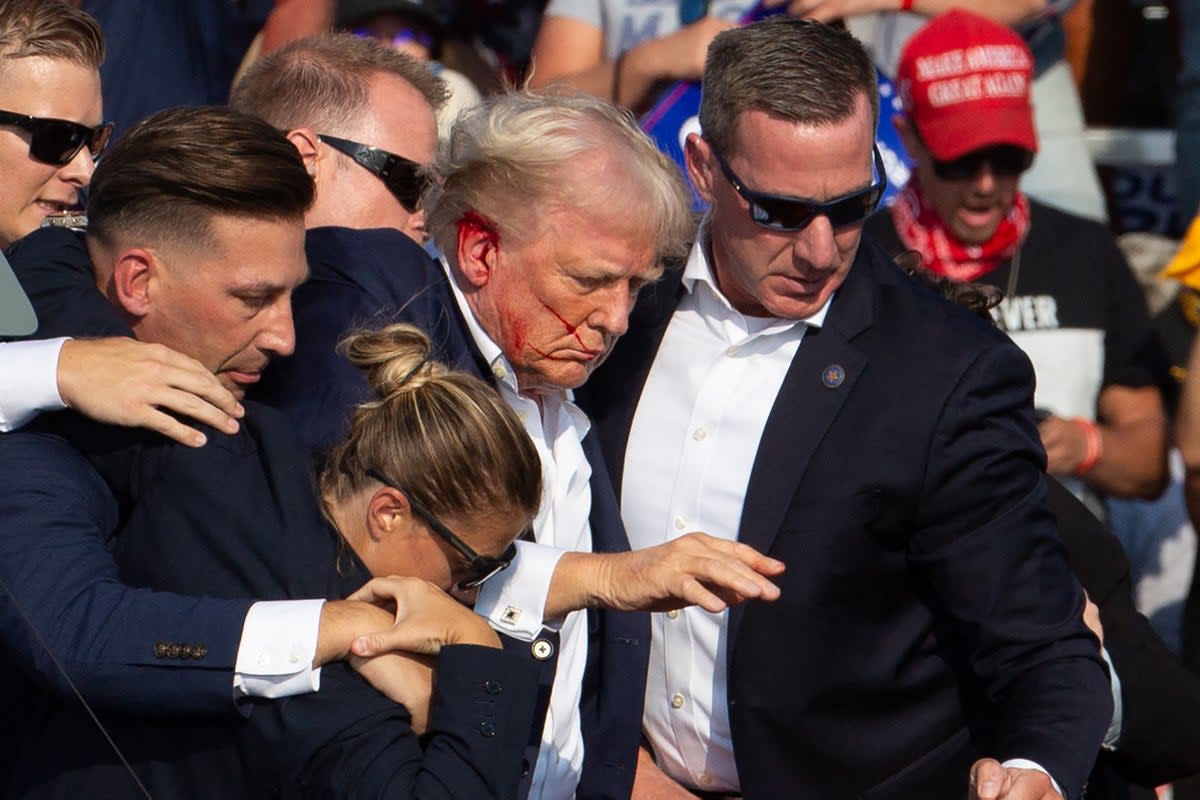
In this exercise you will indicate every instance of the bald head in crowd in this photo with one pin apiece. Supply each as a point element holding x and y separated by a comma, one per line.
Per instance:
<point>362,117</point>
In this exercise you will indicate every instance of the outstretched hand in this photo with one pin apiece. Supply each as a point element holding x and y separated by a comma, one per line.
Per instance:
<point>696,569</point>
<point>989,780</point>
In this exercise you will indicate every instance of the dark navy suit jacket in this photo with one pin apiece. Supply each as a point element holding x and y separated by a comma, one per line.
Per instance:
<point>928,614</point>
<point>372,278</point>
<point>235,519</point>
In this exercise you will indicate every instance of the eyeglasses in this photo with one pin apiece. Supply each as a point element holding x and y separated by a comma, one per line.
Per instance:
<point>406,179</point>
<point>783,213</point>
<point>58,141</point>
<point>1006,161</point>
<point>479,568</point>
<point>400,38</point>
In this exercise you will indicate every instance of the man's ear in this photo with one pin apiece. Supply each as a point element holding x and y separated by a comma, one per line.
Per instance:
<point>308,145</point>
<point>388,513</point>
<point>478,248</point>
<point>136,272</point>
<point>698,156</point>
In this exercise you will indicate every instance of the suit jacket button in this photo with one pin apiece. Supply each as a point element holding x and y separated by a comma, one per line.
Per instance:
<point>542,649</point>
<point>185,651</point>
<point>173,650</point>
<point>487,728</point>
<point>160,650</point>
<point>199,652</point>
<point>524,767</point>
<point>493,687</point>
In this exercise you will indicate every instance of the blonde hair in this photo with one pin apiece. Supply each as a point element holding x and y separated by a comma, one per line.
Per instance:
<point>50,29</point>
<point>443,435</point>
<point>521,151</point>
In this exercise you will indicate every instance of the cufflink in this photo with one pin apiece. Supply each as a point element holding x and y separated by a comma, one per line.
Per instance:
<point>510,615</point>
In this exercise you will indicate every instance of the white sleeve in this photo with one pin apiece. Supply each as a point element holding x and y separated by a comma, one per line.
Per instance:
<point>275,655</point>
<point>29,375</point>
<point>514,601</point>
<point>588,11</point>
<point>1024,763</point>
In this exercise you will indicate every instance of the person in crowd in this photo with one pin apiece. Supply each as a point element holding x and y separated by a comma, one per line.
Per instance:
<point>521,299</point>
<point>51,132</point>
<point>416,27</point>
<point>1071,302</point>
<point>792,389</point>
<point>172,213</point>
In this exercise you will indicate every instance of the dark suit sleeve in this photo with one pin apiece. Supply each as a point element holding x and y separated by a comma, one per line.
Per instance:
<point>55,270</point>
<point>1160,698</point>
<point>347,741</point>
<point>1009,609</point>
<point>60,581</point>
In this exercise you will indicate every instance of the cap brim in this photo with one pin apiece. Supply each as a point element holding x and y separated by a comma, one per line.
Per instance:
<point>953,135</point>
<point>16,313</point>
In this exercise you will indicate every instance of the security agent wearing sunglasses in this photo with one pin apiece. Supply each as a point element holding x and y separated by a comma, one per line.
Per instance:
<point>1071,302</point>
<point>792,388</point>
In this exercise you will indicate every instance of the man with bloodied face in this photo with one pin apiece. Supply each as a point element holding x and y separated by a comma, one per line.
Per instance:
<point>551,213</point>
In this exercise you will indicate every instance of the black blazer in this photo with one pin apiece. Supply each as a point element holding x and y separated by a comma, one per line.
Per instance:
<point>928,613</point>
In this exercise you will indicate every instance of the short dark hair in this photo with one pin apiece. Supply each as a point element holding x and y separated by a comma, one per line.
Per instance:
<point>177,169</point>
<point>323,81</point>
<point>798,70</point>
<point>49,29</point>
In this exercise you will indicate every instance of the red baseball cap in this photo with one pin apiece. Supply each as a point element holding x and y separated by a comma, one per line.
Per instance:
<point>965,83</point>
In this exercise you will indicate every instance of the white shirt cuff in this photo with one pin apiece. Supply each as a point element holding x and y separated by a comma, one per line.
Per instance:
<point>1114,728</point>
<point>1024,763</point>
<point>30,380</point>
<point>514,601</point>
<point>275,655</point>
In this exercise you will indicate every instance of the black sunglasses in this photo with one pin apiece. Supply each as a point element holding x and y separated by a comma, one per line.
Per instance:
<point>479,568</point>
<point>58,141</point>
<point>1006,161</point>
<point>783,213</point>
<point>405,179</point>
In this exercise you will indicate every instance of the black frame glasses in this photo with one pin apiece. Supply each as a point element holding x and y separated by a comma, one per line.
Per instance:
<point>404,178</point>
<point>1005,160</point>
<point>58,141</point>
<point>479,567</point>
<point>779,212</point>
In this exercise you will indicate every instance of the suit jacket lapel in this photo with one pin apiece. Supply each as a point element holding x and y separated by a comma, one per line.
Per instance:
<point>822,375</point>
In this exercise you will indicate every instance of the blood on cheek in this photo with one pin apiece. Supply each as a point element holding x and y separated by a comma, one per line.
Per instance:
<point>573,330</point>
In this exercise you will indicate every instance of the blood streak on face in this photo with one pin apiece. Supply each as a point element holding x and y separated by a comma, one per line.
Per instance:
<point>571,329</point>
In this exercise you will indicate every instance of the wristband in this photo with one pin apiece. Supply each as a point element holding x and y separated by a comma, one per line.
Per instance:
<point>906,5</point>
<point>1095,445</point>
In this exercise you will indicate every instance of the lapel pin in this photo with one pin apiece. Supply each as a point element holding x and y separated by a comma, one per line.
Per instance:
<point>833,376</point>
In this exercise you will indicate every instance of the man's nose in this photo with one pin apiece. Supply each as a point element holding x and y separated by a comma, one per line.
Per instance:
<point>816,244</point>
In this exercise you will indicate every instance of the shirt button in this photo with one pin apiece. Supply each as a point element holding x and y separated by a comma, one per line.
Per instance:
<point>499,371</point>
<point>294,658</point>
<point>677,701</point>
<point>264,659</point>
<point>673,613</point>
<point>733,351</point>
<point>699,434</point>
<point>680,523</point>
<point>704,778</point>
<point>542,649</point>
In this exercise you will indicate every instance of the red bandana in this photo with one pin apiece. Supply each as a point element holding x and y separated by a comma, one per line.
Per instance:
<point>921,229</point>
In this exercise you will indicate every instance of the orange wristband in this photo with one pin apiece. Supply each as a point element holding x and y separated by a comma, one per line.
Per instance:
<point>1095,445</point>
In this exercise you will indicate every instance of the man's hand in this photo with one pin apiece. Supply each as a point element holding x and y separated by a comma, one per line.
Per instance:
<point>990,781</point>
<point>1065,443</point>
<point>425,619</point>
<point>1091,618</point>
<point>403,678</point>
<point>124,382</point>
<point>696,569</point>
<point>651,783</point>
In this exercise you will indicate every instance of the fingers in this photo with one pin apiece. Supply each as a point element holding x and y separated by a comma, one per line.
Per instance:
<point>398,639</point>
<point>732,567</point>
<point>985,780</point>
<point>172,428</point>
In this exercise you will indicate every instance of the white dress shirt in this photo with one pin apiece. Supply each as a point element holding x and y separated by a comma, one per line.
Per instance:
<point>514,600</point>
<point>29,375</point>
<point>691,447</point>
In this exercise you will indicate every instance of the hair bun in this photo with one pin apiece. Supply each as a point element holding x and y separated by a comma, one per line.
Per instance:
<point>395,358</point>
